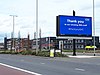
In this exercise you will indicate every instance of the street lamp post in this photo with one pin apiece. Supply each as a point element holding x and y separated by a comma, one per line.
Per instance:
<point>13,28</point>
<point>36,26</point>
<point>49,43</point>
<point>94,26</point>
<point>40,39</point>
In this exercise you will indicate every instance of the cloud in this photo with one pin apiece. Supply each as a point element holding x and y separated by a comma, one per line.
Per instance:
<point>59,1</point>
<point>19,7</point>
<point>48,10</point>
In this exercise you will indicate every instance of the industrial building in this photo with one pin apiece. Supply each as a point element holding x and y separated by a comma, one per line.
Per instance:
<point>49,43</point>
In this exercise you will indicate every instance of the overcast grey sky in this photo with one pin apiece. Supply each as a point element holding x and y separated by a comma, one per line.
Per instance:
<point>48,10</point>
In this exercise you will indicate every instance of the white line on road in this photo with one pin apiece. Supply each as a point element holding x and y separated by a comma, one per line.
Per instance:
<point>30,72</point>
<point>82,56</point>
<point>22,60</point>
<point>42,63</point>
<point>78,69</point>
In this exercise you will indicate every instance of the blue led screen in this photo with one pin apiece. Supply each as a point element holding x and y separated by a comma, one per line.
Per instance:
<point>74,26</point>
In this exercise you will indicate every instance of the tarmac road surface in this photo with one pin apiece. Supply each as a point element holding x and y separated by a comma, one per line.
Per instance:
<point>51,66</point>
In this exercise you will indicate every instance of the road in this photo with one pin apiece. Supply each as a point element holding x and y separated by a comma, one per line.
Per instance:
<point>53,66</point>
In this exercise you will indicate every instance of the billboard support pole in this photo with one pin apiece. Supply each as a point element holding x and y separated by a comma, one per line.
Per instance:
<point>74,49</point>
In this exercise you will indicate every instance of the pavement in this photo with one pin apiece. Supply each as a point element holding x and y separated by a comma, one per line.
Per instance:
<point>82,56</point>
<point>8,70</point>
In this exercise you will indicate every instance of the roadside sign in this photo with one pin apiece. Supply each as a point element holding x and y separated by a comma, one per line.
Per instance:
<point>74,26</point>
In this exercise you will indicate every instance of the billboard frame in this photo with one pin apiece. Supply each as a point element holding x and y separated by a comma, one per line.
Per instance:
<point>70,36</point>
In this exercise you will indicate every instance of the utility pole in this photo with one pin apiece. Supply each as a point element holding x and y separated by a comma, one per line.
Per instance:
<point>13,16</point>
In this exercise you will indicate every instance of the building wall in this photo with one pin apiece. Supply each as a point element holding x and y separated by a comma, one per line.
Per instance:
<point>1,46</point>
<point>22,43</point>
<point>51,42</point>
<point>46,43</point>
<point>79,43</point>
<point>5,43</point>
<point>9,44</point>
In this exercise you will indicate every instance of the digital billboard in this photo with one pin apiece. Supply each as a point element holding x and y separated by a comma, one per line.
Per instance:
<point>74,26</point>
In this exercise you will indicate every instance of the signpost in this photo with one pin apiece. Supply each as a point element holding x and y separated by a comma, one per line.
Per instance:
<point>74,48</point>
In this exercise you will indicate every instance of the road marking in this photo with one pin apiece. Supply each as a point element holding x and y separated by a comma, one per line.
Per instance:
<point>42,63</point>
<point>22,60</point>
<point>78,69</point>
<point>82,56</point>
<point>30,72</point>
